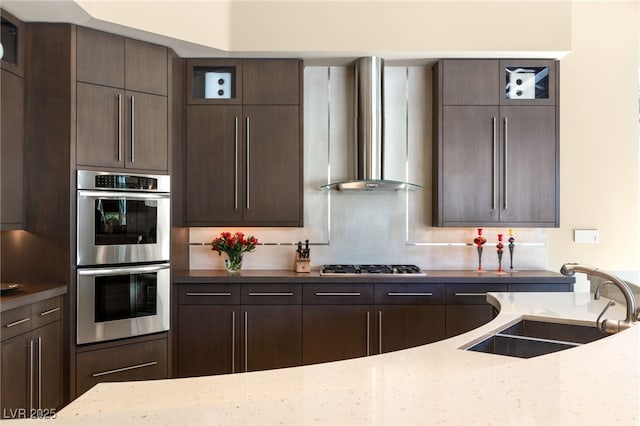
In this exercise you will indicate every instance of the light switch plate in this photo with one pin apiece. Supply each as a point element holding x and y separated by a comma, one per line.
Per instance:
<point>586,236</point>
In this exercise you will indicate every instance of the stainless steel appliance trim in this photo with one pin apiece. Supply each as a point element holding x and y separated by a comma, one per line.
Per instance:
<point>272,294</point>
<point>87,331</point>
<point>193,293</point>
<point>133,129</point>
<point>409,294</point>
<point>119,370</point>
<point>337,294</point>
<point>116,195</point>
<point>50,311</point>
<point>13,324</point>
<point>86,180</point>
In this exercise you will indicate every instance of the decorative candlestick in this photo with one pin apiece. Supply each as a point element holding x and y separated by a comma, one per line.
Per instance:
<point>511,247</point>
<point>500,248</point>
<point>479,242</point>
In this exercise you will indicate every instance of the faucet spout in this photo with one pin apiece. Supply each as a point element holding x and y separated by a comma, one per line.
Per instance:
<point>608,325</point>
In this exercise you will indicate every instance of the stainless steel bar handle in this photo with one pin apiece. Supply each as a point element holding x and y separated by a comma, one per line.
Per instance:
<point>39,372</point>
<point>368,330</point>
<point>337,294</point>
<point>133,129</point>
<point>247,160</point>
<point>206,294</point>
<point>470,294</point>
<point>119,370</point>
<point>379,332</point>
<point>271,294</point>
<point>119,127</point>
<point>505,162</point>
<point>233,341</point>
<point>31,373</point>
<point>246,340</point>
<point>494,172</point>
<point>13,324</point>
<point>235,184</point>
<point>50,311</point>
<point>409,294</point>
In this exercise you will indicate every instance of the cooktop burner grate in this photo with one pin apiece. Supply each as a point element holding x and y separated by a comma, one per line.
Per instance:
<point>371,270</point>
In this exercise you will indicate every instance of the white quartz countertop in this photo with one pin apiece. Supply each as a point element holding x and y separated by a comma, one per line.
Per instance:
<point>598,383</point>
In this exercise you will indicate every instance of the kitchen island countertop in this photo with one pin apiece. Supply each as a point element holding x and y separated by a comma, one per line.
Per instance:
<point>432,384</point>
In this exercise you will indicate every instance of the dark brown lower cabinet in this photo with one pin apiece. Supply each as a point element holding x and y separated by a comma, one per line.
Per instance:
<point>407,326</point>
<point>32,360</point>
<point>463,318</point>
<point>137,359</point>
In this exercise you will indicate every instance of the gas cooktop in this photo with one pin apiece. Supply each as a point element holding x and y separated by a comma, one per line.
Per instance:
<point>395,270</point>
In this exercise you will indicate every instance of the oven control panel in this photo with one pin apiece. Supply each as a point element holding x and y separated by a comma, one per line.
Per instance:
<point>89,179</point>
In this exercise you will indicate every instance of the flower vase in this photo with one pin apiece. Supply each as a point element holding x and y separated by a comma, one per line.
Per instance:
<point>233,263</point>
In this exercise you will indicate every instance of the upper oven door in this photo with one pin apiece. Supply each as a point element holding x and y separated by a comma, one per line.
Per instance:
<point>122,227</point>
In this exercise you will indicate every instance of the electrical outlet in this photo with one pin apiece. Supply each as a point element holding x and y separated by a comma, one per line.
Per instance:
<point>586,236</point>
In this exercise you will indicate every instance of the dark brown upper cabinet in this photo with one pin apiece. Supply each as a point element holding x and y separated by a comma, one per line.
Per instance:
<point>12,134</point>
<point>122,102</point>
<point>244,146</point>
<point>495,149</point>
<point>12,36</point>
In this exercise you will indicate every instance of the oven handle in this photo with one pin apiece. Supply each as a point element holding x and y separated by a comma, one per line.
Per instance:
<point>121,195</point>
<point>123,269</point>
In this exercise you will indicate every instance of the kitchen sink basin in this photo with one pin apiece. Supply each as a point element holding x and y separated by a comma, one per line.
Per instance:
<point>529,338</point>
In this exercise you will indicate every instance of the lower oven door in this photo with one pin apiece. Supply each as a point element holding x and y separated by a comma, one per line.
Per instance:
<point>123,227</point>
<point>122,301</point>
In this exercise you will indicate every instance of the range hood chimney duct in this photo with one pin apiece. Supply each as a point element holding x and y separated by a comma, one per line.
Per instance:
<point>369,138</point>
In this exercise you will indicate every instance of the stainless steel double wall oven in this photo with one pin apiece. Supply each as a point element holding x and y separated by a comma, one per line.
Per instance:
<point>123,249</point>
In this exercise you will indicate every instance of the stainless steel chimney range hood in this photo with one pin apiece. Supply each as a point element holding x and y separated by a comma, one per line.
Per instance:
<point>369,138</point>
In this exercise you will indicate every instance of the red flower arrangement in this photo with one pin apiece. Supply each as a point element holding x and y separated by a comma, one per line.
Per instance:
<point>234,246</point>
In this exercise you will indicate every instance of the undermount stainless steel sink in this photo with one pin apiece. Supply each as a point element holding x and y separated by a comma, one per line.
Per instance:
<point>529,338</point>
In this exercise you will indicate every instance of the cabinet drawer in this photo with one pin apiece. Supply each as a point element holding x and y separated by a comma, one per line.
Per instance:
<point>338,294</point>
<point>409,294</point>
<point>47,311</point>
<point>16,321</point>
<point>271,294</point>
<point>136,361</point>
<point>208,294</point>
<point>471,294</point>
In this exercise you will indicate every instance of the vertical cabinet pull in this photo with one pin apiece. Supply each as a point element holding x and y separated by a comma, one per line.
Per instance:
<point>119,127</point>
<point>233,341</point>
<point>379,332</point>
<point>247,161</point>
<point>235,184</point>
<point>133,129</point>
<point>368,330</point>
<point>494,172</point>
<point>505,161</point>
<point>39,372</point>
<point>31,374</point>
<point>246,340</point>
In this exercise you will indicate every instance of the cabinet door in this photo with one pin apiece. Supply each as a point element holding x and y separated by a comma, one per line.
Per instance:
<point>529,189</point>
<point>469,169</point>
<point>271,82</point>
<point>463,318</point>
<point>12,140</point>
<point>273,154</point>
<point>470,82</point>
<point>100,126</point>
<point>147,146</point>
<point>208,338</point>
<point>145,67</point>
<point>406,326</point>
<point>16,374</point>
<point>100,58</point>
<point>48,340</point>
<point>214,176</point>
<point>272,336</point>
<point>336,332</point>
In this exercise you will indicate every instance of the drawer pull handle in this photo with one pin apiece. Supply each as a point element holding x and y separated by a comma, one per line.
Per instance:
<point>50,311</point>
<point>409,294</point>
<point>207,294</point>
<point>13,324</point>
<point>271,294</point>
<point>470,294</point>
<point>337,294</point>
<point>118,370</point>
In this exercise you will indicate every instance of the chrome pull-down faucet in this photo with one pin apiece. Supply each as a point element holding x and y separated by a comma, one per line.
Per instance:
<point>608,325</point>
